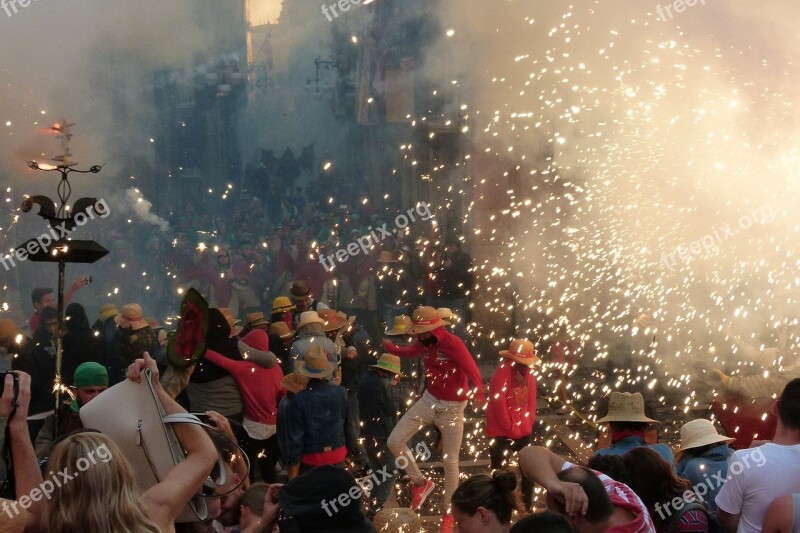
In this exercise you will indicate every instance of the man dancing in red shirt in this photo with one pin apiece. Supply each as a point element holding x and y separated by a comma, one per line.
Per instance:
<point>448,368</point>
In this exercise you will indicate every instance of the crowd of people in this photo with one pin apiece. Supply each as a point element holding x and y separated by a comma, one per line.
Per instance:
<point>307,387</point>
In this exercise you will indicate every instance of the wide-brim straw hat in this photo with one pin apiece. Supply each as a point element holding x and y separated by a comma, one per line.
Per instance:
<point>281,329</point>
<point>626,407</point>
<point>131,317</point>
<point>390,363</point>
<point>521,351</point>
<point>294,382</point>
<point>233,322</point>
<point>332,320</point>
<point>399,325</point>
<point>281,304</point>
<point>446,314</point>
<point>107,311</point>
<point>699,433</point>
<point>315,364</point>
<point>423,320</point>
<point>256,319</point>
<point>309,317</point>
<point>8,328</point>
<point>397,520</point>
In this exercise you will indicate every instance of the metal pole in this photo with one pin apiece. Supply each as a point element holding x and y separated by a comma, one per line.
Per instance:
<point>61,270</point>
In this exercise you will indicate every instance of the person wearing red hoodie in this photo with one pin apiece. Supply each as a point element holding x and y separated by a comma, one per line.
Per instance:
<point>511,412</point>
<point>260,388</point>
<point>449,368</point>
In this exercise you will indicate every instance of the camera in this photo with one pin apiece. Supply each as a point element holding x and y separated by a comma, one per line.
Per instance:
<point>3,374</point>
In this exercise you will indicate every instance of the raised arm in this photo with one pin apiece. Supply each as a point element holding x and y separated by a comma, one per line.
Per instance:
<point>542,466</point>
<point>166,500</point>
<point>413,350</point>
<point>262,359</point>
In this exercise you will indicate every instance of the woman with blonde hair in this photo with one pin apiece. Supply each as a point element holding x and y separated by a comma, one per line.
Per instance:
<point>100,493</point>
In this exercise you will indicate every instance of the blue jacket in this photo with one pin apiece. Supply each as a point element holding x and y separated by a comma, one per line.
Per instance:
<point>621,447</point>
<point>700,469</point>
<point>315,420</point>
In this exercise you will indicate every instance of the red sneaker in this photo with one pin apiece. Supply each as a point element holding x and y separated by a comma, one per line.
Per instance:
<point>447,524</point>
<point>420,492</point>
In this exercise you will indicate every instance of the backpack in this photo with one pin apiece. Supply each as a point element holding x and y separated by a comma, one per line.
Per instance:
<point>713,525</point>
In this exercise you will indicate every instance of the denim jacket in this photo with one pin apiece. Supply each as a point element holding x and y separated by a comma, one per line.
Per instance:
<point>711,465</point>
<point>315,420</point>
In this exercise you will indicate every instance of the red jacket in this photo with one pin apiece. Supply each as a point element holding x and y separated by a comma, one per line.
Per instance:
<point>448,366</point>
<point>512,410</point>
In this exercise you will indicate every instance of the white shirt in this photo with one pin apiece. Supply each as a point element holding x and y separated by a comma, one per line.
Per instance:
<point>755,477</point>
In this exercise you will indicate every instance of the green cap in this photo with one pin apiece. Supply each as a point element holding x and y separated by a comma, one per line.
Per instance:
<point>90,375</point>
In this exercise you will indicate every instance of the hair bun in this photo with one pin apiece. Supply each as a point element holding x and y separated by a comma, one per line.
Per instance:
<point>505,480</point>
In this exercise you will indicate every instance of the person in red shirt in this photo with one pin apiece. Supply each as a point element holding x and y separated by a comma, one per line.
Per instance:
<point>512,408</point>
<point>449,368</point>
<point>42,297</point>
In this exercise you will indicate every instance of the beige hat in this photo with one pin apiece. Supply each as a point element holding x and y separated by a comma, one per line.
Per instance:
<point>399,325</point>
<point>233,322</point>
<point>446,314</point>
<point>423,320</point>
<point>699,433</point>
<point>625,407</point>
<point>281,329</point>
<point>309,317</point>
<point>256,319</point>
<point>332,320</point>
<point>131,317</point>
<point>315,364</point>
<point>8,328</point>
<point>107,311</point>
<point>521,351</point>
<point>294,382</point>
<point>390,363</point>
<point>397,520</point>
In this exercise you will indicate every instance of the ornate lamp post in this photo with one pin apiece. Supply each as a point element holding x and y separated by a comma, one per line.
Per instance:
<point>54,246</point>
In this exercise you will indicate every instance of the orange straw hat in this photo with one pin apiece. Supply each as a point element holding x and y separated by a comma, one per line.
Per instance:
<point>521,351</point>
<point>389,363</point>
<point>281,329</point>
<point>233,322</point>
<point>294,382</point>
<point>423,320</point>
<point>332,320</point>
<point>131,317</point>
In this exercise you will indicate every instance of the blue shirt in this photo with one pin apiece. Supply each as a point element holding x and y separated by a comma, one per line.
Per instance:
<point>709,468</point>
<point>622,446</point>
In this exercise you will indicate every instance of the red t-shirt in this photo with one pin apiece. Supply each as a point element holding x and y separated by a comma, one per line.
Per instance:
<point>623,496</point>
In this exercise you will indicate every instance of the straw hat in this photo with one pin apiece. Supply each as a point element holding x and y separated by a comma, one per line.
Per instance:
<point>332,320</point>
<point>521,351</point>
<point>152,322</point>
<point>256,319</point>
<point>386,257</point>
<point>309,317</point>
<point>281,304</point>
<point>281,329</point>
<point>107,311</point>
<point>315,364</point>
<point>397,520</point>
<point>423,320</point>
<point>626,407</point>
<point>233,322</point>
<point>131,317</point>
<point>399,325</point>
<point>350,319</point>
<point>446,314</point>
<point>8,328</point>
<point>699,433</point>
<point>389,362</point>
<point>294,382</point>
